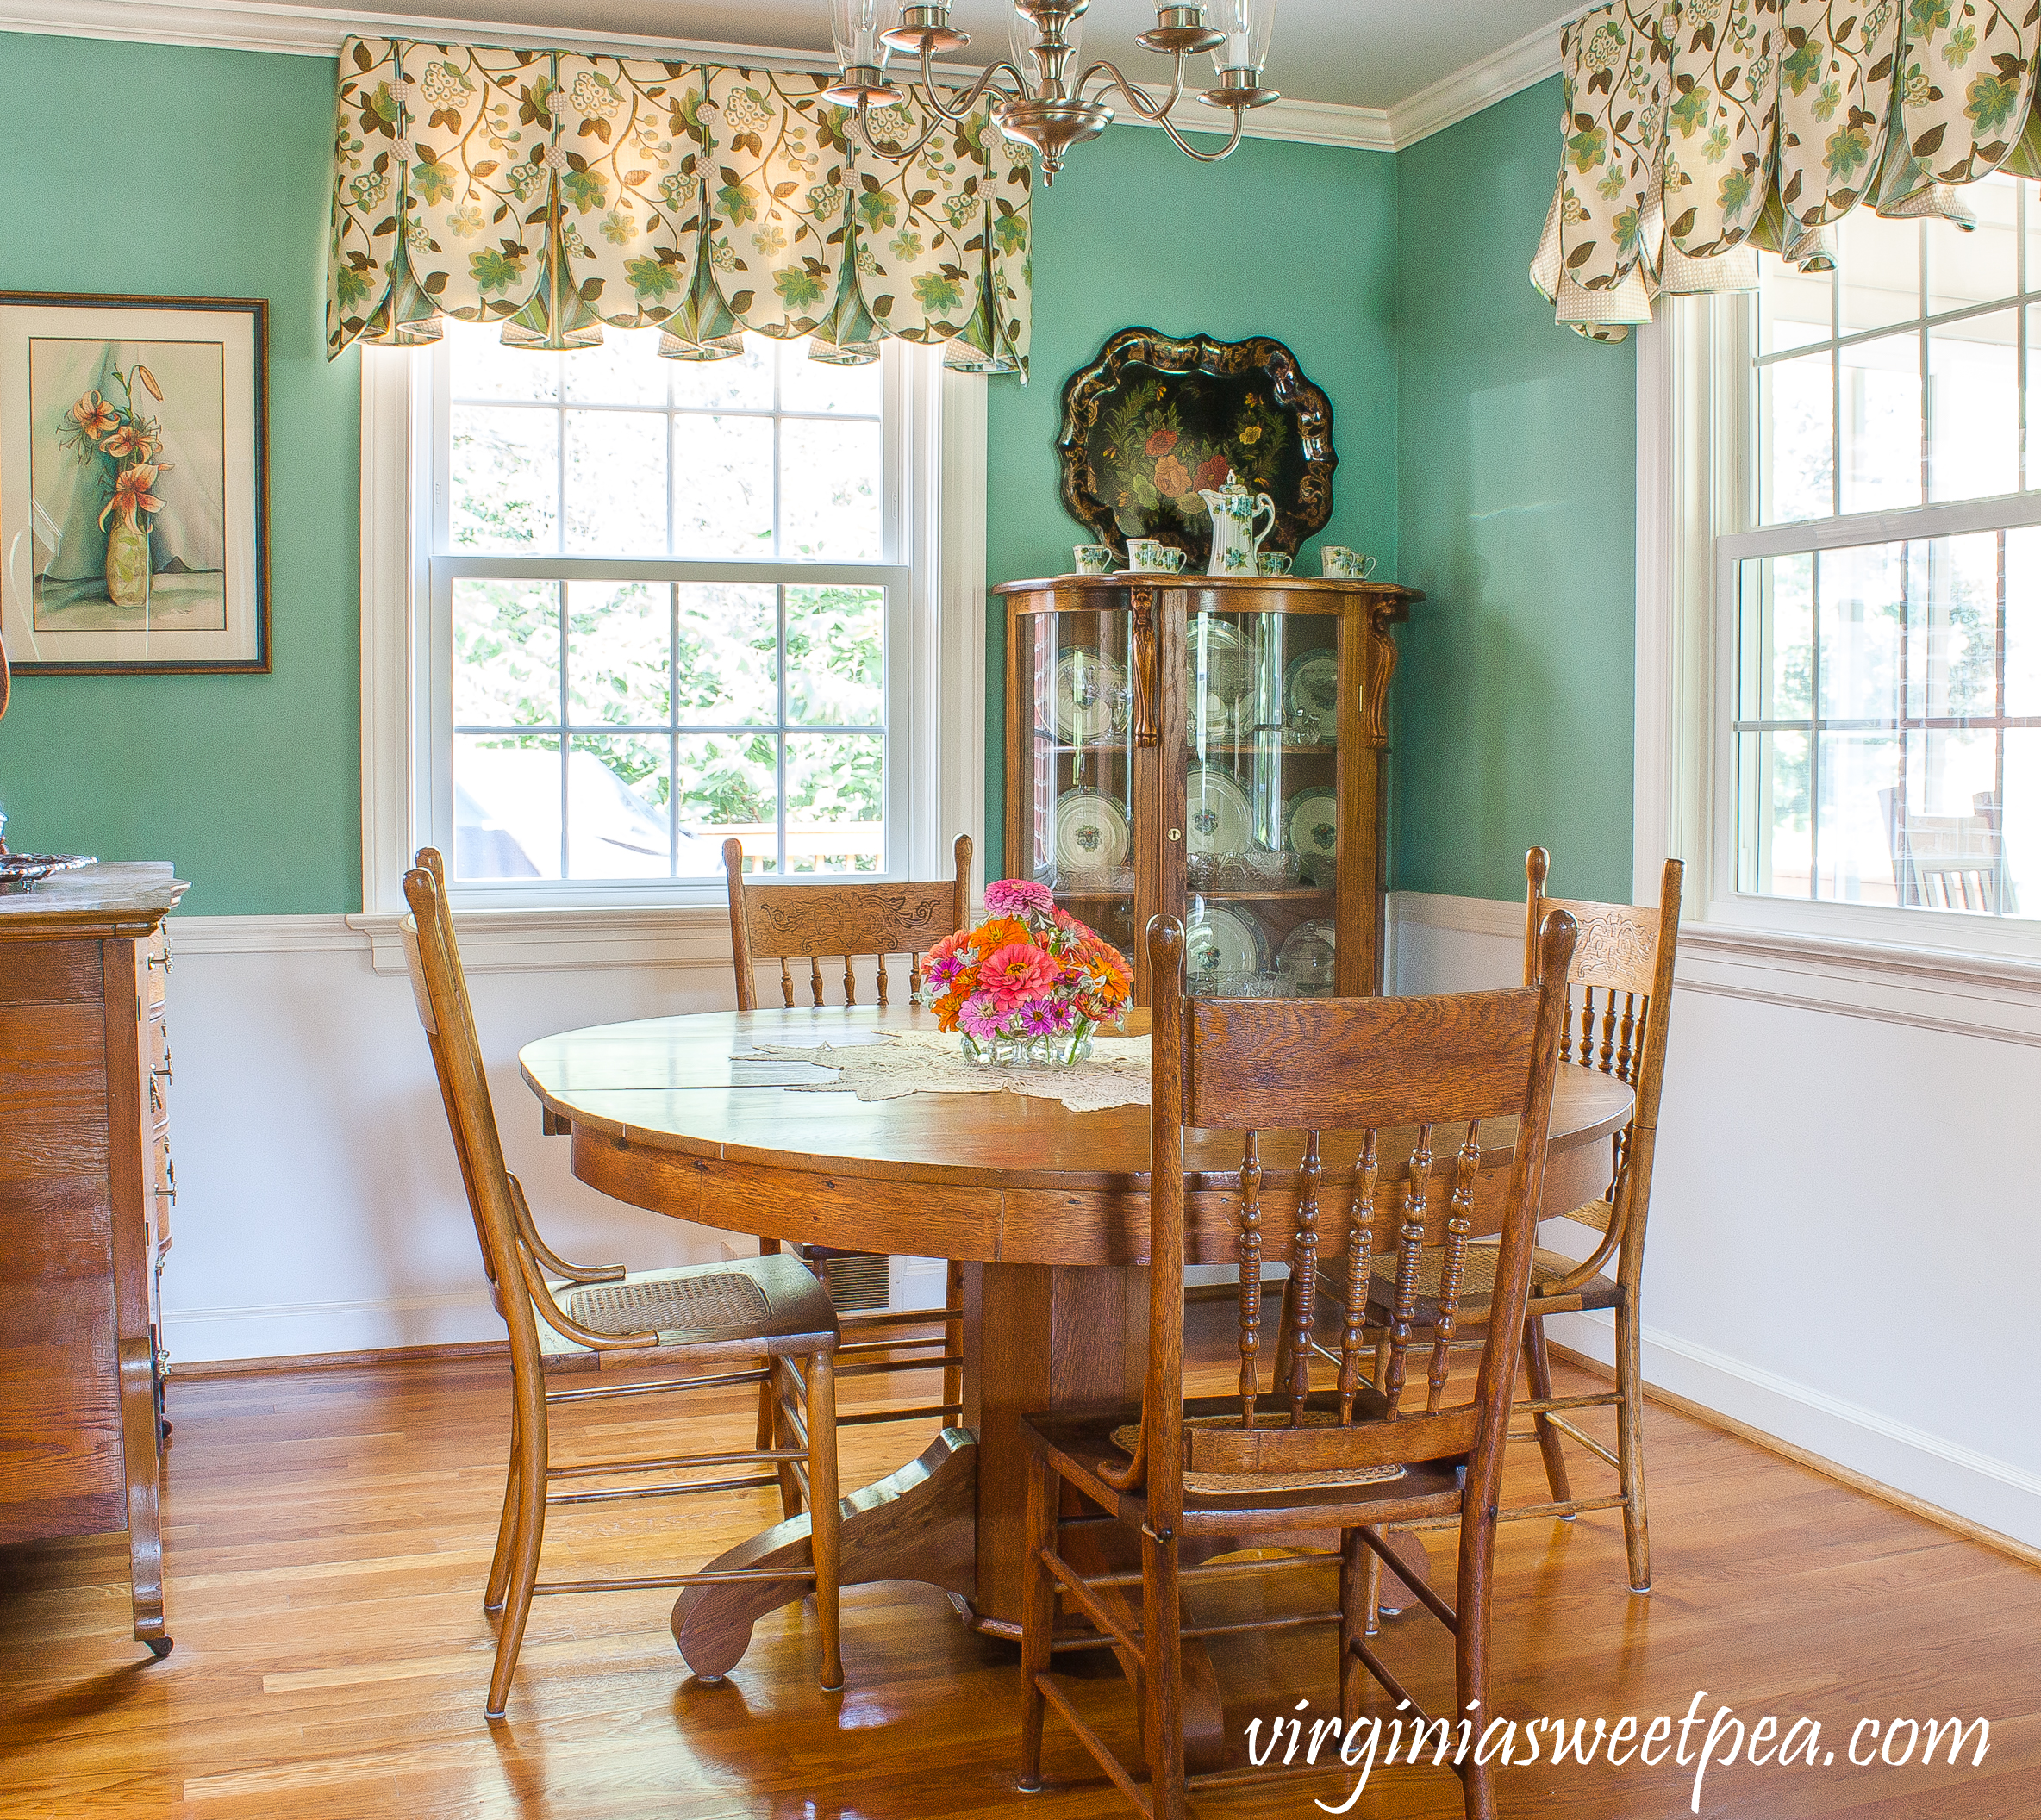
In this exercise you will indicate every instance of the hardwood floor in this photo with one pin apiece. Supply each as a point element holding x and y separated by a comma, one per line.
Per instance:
<point>328,1534</point>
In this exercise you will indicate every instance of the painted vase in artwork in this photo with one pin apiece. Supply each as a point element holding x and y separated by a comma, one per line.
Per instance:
<point>127,562</point>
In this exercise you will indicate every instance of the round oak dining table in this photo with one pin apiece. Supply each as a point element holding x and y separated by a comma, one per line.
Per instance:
<point>1045,1209</point>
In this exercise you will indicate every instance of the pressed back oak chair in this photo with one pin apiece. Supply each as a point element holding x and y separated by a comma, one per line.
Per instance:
<point>1379,1088</point>
<point>705,1316</point>
<point>1619,987</point>
<point>848,922</point>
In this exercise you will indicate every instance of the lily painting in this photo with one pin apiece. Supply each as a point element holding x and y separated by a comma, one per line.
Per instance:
<point>136,540</point>
<point>130,481</point>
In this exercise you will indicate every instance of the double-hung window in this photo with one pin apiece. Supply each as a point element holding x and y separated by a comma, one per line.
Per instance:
<point>1878,588</point>
<point>661,603</point>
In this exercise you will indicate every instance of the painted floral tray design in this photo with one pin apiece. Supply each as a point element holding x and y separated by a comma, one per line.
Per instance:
<point>1154,422</point>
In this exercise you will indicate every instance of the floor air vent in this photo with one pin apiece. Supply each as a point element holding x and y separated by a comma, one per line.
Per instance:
<point>856,1283</point>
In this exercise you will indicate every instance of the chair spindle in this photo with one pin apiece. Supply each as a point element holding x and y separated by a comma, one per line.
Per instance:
<point>1608,1028</point>
<point>1303,1273</point>
<point>850,983</point>
<point>1453,1272</point>
<point>1249,1226</point>
<point>882,959</point>
<point>1360,1264</point>
<point>1410,1252</point>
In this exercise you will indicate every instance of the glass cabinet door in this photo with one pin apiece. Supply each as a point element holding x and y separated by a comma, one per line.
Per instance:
<point>1262,724</point>
<point>1075,670</point>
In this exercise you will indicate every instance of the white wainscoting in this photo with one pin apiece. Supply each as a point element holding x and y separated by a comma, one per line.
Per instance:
<point>1845,1238</point>
<point>1845,1244</point>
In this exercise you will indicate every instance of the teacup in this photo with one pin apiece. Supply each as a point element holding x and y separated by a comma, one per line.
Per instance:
<point>1338,564</point>
<point>1094,559</point>
<point>1153,557</point>
<point>1272,562</point>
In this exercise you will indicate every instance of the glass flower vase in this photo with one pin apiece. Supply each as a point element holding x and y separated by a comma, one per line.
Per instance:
<point>1065,1049</point>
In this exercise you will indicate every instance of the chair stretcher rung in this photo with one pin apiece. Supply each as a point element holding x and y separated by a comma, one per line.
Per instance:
<point>1100,1752</point>
<point>1545,1405</point>
<point>1431,1602</point>
<point>1072,1582</point>
<point>865,1346</point>
<point>679,1463</point>
<point>1589,1441</point>
<point>862,1417</point>
<point>871,1368</point>
<point>590,1394</point>
<point>1380,1671</point>
<point>649,1582</point>
<point>660,1491</point>
<point>1565,1507</point>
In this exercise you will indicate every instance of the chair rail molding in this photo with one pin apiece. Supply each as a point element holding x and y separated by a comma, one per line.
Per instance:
<point>1930,989</point>
<point>316,31</point>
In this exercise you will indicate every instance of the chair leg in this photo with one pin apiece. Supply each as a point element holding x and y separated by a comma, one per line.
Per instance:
<point>1630,1444</point>
<point>499,1565</point>
<point>1161,1656</point>
<point>953,1335</point>
<point>1470,1651</point>
<point>1538,1363</point>
<point>790,1486</point>
<point>524,1554</point>
<point>1038,1614</point>
<point>1370,1592</point>
<point>825,1539</point>
<point>1354,1556</point>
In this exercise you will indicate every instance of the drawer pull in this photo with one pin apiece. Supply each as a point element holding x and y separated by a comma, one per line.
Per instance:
<point>168,1078</point>
<point>169,1169</point>
<point>161,959</point>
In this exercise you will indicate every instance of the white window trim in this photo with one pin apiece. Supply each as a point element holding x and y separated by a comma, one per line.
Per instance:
<point>1856,960</point>
<point>942,544</point>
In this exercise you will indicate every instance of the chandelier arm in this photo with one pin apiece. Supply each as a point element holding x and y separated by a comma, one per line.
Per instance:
<point>1137,98</point>
<point>943,116</point>
<point>1158,113</point>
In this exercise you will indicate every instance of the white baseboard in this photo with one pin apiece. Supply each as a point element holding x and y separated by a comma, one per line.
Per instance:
<point>201,1335</point>
<point>1994,1493</point>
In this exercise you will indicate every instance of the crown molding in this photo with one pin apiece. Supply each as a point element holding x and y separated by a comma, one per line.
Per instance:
<point>1495,78</point>
<point>316,31</point>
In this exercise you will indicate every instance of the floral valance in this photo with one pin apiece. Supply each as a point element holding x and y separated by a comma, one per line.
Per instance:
<point>1697,133</point>
<point>555,193</point>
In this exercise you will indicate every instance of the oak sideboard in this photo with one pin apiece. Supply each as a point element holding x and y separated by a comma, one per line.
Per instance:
<point>86,1188</point>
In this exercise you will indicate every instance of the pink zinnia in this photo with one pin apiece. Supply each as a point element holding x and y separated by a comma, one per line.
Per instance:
<point>979,1016</point>
<point>1017,897</point>
<point>1018,971</point>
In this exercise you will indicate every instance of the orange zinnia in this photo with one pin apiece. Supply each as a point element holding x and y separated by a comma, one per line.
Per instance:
<point>95,416</point>
<point>132,495</point>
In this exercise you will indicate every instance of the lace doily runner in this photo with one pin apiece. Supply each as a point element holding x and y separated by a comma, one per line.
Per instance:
<point>927,1062</point>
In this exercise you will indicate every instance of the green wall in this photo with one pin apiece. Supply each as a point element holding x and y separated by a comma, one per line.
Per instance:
<point>1486,458</point>
<point>250,784</point>
<point>1516,448</point>
<point>1288,240</point>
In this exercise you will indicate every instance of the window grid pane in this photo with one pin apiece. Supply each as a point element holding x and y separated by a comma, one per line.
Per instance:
<point>1888,697</point>
<point>619,729</point>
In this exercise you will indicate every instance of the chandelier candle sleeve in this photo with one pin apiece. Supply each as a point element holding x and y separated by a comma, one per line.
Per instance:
<point>1029,984</point>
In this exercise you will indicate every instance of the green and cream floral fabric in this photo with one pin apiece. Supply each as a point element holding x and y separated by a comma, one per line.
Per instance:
<point>556,193</point>
<point>1720,122</point>
<point>1776,118</point>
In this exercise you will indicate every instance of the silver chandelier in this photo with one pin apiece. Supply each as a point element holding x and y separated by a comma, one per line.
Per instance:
<point>1049,109</point>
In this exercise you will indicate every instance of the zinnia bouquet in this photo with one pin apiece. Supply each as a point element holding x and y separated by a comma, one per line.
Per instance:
<point>1029,983</point>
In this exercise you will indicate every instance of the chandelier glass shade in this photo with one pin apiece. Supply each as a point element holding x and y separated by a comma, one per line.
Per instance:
<point>1046,96</point>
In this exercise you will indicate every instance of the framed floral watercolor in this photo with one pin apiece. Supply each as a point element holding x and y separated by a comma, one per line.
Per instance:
<point>134,483</point>
<point>1154,422</point>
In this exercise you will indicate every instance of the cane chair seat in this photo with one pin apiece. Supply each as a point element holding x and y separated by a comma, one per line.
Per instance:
<point>1078,1444</point>
<point>740,1309</point>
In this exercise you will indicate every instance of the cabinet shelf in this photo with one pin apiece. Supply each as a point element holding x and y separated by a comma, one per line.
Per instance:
<point>1258,747</point>
<point>1235,893</point>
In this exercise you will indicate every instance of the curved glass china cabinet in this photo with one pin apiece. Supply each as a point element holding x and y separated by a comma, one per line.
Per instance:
<point>1209,748</point>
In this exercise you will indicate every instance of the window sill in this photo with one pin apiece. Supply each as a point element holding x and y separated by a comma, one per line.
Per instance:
<point>561,940</point>
<point>1932,988</point>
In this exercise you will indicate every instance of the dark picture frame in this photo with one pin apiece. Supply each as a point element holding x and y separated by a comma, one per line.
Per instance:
<point>1155,419</point>
<point>102,397</point>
